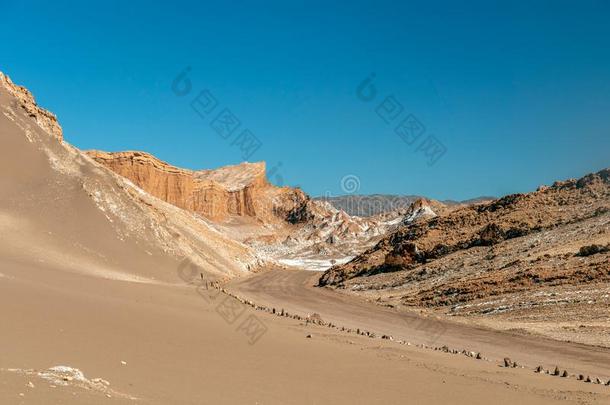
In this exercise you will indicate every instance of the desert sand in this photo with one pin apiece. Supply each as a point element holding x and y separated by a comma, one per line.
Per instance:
<point>167,344</point>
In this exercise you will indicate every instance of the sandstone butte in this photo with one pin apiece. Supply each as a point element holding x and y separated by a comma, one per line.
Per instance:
<point>233,191</point>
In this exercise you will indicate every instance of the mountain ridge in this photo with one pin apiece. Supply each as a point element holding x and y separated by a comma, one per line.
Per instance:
<point>365,205</point>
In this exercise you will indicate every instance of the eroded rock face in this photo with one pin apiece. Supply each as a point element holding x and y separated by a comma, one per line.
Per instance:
<point>282,222</point>
<point>45,119</point>
<point>241,190</point>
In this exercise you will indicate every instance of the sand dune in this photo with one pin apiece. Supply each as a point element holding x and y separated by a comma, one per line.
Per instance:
<point>61,207</point>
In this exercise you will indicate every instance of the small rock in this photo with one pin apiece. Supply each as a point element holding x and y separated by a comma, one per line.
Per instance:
<point>565,373</point>
<point>539,369</point>
<point>30,384</point>
<point>100,381</point>
<point>556,371</point>
<point>478,356</point>
<point>308,336</point>
<point>588,380</point>
<point>581,377</point>
<point>598,381</point>
<point>507,362</point>
<point>123,362</point>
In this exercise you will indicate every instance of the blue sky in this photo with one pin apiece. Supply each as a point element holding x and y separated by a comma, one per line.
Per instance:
<point>517,94</point>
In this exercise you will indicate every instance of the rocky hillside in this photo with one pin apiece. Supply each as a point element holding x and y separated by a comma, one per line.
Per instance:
<point>533,262</point>
<point>486,224</point>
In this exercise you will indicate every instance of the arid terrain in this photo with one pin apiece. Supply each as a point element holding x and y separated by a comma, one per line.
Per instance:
<point>537,262</point>
<point>124,279</point>
<point>280,223</point>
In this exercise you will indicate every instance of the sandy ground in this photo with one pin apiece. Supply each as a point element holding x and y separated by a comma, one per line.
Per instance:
<point>294,291</point>
<point>168,344</point>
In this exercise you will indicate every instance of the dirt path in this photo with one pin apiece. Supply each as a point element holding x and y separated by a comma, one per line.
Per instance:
<point>294,291</point>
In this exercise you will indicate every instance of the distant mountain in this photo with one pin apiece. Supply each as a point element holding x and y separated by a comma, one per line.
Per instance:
<point>476,200</point>
<point>375,204</point>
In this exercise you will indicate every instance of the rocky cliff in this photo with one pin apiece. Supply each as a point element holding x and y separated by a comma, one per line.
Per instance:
<point>22,97</point>
<point>241,190</point>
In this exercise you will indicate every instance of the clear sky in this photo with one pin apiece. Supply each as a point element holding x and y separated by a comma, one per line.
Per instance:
<point>516,94</point>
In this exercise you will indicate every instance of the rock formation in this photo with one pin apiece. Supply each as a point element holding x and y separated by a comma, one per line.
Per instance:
<point>25,100</point>
<point>282,222</point>
<point>241,190</point>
